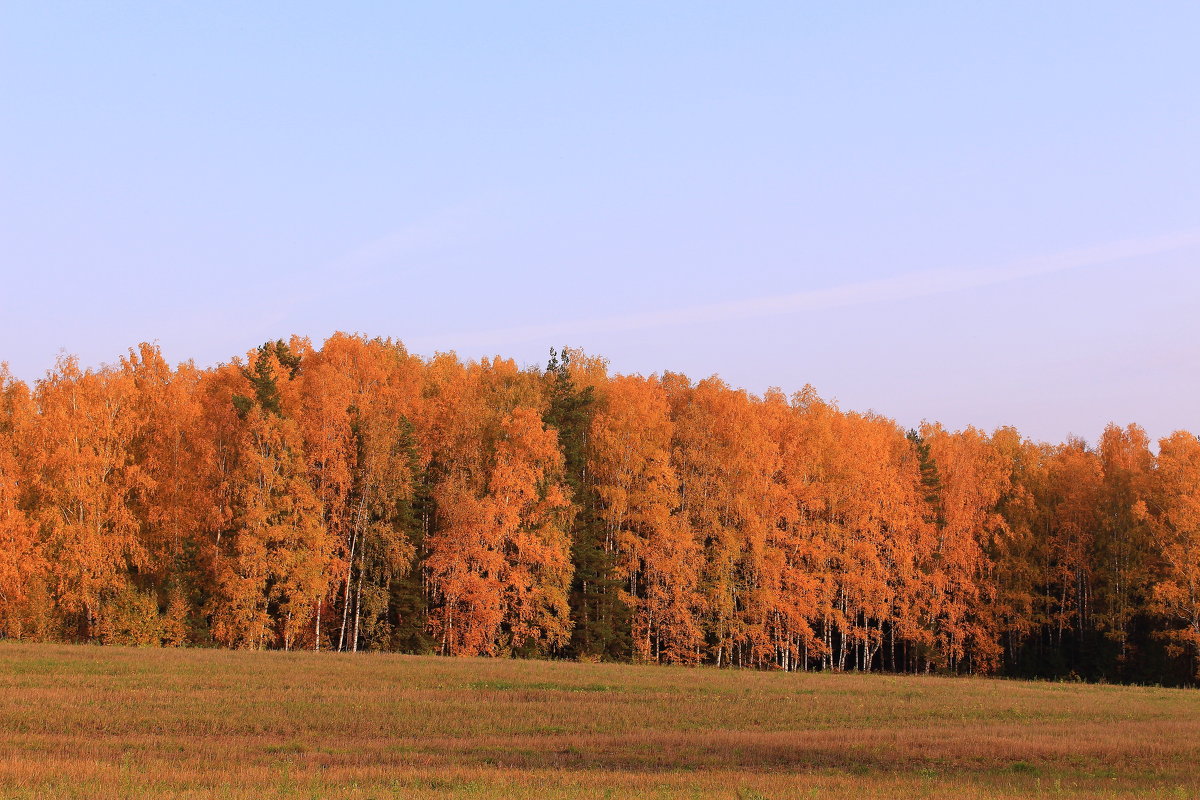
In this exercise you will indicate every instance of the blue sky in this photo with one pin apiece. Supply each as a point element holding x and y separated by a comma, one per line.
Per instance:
<point>981,215</point>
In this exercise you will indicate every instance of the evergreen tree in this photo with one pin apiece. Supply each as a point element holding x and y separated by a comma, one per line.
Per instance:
<point>601,619</point>
<point>931,479</point>
<point>407,606</point>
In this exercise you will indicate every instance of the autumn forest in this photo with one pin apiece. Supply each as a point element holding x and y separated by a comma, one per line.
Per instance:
<point>359,497</point>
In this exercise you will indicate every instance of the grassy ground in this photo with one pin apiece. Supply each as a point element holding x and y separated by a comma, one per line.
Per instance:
<point>90,722</point>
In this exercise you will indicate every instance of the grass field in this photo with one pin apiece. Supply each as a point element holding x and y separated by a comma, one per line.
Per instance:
<point>78,721</point>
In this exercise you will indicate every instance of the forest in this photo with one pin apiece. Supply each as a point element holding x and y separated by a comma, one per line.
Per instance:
<point>360,497</point>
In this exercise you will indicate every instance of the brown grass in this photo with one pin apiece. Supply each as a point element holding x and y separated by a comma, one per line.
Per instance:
<point>79,721</point>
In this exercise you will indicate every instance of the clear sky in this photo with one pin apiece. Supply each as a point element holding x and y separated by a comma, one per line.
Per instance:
<point>980,215</point>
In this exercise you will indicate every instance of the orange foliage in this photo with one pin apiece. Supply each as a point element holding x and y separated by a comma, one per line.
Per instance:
<point>638,487</point>
<point>1176,516</point>
<point>358,496</point>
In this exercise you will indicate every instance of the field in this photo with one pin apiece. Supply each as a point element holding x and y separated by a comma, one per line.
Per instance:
<point>79,721</point>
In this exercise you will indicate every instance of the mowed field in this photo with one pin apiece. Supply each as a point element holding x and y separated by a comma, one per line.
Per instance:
<point>92,722</point>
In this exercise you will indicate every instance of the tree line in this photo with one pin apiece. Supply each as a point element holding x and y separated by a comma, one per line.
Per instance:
<point>357,496</point>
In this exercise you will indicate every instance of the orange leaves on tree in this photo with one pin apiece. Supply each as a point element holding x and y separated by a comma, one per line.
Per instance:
<point>1175,514</point>
<point>500,557</point>
<point>357,496</point>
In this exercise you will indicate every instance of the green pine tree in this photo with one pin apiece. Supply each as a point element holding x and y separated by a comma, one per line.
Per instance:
<point>602,620</point>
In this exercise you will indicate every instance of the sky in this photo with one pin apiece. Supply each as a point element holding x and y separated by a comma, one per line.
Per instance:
<point>982,214</point>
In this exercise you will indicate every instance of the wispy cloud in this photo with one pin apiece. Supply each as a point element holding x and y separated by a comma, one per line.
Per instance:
<point>368,267</point>
<point>908,286</point>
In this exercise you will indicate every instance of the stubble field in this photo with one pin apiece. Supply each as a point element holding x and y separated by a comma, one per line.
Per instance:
<point>91,722</point>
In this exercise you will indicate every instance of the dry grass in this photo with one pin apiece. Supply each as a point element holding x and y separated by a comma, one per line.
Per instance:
<point>96,722</point>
